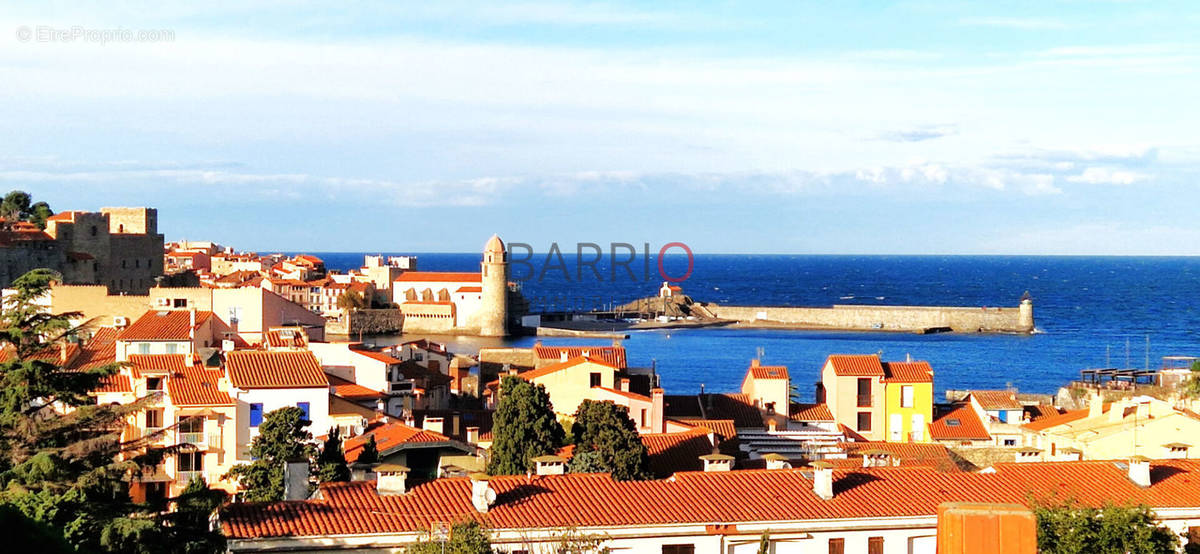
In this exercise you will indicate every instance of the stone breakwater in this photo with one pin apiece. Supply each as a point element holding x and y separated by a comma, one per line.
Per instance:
<point>884,318</point>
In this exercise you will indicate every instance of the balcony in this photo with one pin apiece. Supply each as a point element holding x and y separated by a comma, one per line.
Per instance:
<point>192,438</point>
<point>864,401</point>
<point>185,477</point>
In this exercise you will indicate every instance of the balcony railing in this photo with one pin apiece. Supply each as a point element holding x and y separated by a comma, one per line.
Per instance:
<point>192,438</point>
<point>185,477</point>
<point>864,401</point>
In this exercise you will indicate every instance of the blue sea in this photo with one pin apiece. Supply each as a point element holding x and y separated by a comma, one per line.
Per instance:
<point>1089,312</point>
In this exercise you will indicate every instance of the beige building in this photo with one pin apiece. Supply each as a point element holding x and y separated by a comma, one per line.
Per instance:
<point>1137,426</point>
<point>457,302</point>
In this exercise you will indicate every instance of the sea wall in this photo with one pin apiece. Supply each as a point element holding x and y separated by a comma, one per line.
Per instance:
<point>367,322</point>
<point>885,318</point>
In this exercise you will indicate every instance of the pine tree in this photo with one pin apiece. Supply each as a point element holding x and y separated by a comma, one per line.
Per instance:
<point>331,464</point>
<point>523,427</point>
<point>62,462</point>
<point>281,437</point>
<point>605,429</point>
<point>370,452</point>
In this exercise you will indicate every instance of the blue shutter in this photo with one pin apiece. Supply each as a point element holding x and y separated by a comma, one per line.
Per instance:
<point>304,408</point>
<point>255,415</point>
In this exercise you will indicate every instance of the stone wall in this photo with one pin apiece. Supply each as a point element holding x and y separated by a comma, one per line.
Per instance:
<point>884,318</point>
<point>367,322</point>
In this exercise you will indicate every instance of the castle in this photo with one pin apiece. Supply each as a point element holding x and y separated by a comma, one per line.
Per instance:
<point>457,303</point>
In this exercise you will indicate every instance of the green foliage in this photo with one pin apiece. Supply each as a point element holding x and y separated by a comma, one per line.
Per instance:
<point>466,537</point>
<point>63,465</point>
<point>523,427</point>
<point>587,462</point>
<point>352,301</point>
<point>24,534</point>
<point>331,464</point>
<point>16,206</point>
<point>1070,528</point>
<point>605,429</point>
<point>281,437</point>
<point>764,543</point>
<point>572,541</point>
<point>1191,388</point>
<point>370,452</point>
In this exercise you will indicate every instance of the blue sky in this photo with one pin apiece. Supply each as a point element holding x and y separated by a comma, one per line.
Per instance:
<point>919,127</point>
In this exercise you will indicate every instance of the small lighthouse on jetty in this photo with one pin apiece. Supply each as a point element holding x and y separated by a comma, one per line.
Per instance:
<point>1025,313</point>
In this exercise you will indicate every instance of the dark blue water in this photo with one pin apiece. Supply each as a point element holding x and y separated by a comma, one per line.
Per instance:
<point>1086,308</point>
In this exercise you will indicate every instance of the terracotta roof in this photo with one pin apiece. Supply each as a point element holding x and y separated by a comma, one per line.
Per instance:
<point>769,372</point>
<point>377,356</point>
<point>1037,412</point>
<point>388,437</point>
<point>163,325</point>
<point>427,345</point>
<point>922,454</point>
<point>440,277</point>
<point>197,386</point>
<point>611,355</point>
<point>157,363</point>
<point>351,390</point>
<point>117,382</point>
<point>279,338</point>
<point>100,350</point>
<point>281,369</point>
<point>722,427</point>
<point>996,399</point>
<point>588,500</point>
<point>469,289</point>
<point>52,354</point>
<point>675,452</point>
<point>907,372</point>
<point>811,412</point>
<point>626,394</point>
<point>960,423</point>
<point>1060,419</point>
<point>856,365</point>
<point>546,370</point>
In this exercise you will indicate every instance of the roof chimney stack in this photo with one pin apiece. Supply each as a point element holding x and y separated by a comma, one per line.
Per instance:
<point>823,479</point>
<point>390,479</point>
<point>482,495</point>
<point>1139,471</point>
<point>295,480</point>
<point>1095,404</point>
<point>717,462</point>
<point>550,465</point>
<point>777,461</point>
<point>472,435</point>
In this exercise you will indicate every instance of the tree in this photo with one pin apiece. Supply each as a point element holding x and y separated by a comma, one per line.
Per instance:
<point>16,207</point>
<point>764,543</point>
<point>523,427</point>
<point>63,464</point>
<point>1191,387</point>
<point>1069,528</point>
<point>331,464</point>
<point>39,212</point>
<point>281,437</point>
<point>352,301</point>
<point>605,428</point>
<point>370,452</point>
<point>466,537</point>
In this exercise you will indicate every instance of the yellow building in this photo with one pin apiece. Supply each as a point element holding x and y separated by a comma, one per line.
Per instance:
<point>908,406</point>
<point>878,401</point>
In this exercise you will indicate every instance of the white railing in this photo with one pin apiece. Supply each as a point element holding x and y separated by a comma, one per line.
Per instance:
<point>185,477</point>
<point>192,438</point>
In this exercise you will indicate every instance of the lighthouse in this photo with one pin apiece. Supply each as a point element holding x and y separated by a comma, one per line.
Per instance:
<point>493,312</point>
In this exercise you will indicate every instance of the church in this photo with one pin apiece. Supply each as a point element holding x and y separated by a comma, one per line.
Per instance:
<point>457,303</point>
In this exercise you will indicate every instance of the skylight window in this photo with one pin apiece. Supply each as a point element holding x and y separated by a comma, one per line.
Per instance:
<point>953,422</point>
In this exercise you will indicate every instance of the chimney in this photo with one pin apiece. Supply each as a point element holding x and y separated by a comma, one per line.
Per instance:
<point>472,435</point>
<point>550,465</point>
<point>717,462</point>
<point>1117,412</point>
<point>1028,454</point>
<point>1142,408</point>
<point>389,480</point>
<point>771,425</point>
<point>777,461</point>
<point>877,458</point>
<point>754,362</point>
<point>435,424</point>
<point>823,479</point>
<point>295,480</point>
<point>192,325</point>
<point>562,355</point>
<point>657,420</point>
<point>362,472</point>
<point>624,384</point>
<point>1139,471</point>
<point>62,353</point>
<point>1095,404</point>
<point>482,495</point>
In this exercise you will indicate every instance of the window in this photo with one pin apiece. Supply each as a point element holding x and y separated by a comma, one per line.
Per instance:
<point>864,393</point>
<point>643,418</point>
<point>154,419</point>
<point>918,427</point>
<point>154,384</point>
<point>304,408</point>
<point>875,545</point>
<point>906,396</point>
<point>1010,442</point>
<point>595,379</point>
<point>837,546</point>
<point>678,549</point>
<point>143,348</point>
<point>256,415</point>
<point>179,303</point>
<point>172,348</point>
<point>864,421</point>
<point>189,461</point>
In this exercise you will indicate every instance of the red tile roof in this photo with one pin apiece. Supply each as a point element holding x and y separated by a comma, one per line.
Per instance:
<point>100,351</point>
<point>722,427</point>
<point>282,369</point>
<point>611,355</point>
<point>769,372</point>
<point>440,277</point>
<point>388,437</point>
<point>996,399</point>
<point>469,289</point>
<point>811,412</point>
<point>907,372</point>
<point>588,500</point>
<point>1060,419</point>
<point>157,363</point>
<point>547,370</point>
<point>163,325</point>
<point>377,356</point>
<point>674,452</point>
<point>351,390</point>
<point>278,338</point>
<point>856,365</point>
<point>929,455</point>
<point>197,386</point>
<point>960,423</point>
<point>117,382</point>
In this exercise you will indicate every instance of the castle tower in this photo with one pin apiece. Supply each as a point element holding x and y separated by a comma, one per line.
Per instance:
<point>1025,313</point>
<point>493,313</point>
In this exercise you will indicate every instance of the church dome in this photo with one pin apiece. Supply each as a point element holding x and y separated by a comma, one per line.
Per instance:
<point>494,244</point>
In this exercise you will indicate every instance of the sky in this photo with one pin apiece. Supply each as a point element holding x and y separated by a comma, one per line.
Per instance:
<point>912,127</point>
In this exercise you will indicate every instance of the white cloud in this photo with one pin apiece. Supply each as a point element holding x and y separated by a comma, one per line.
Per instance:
<point>1107,176</point>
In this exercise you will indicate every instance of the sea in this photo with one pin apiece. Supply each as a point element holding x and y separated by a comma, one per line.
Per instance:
<point>1089,312</point>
